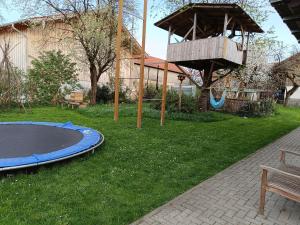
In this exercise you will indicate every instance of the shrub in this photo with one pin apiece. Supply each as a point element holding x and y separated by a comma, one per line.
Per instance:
<point>123,95</point>
<point>150,92</point>
<point>13,88</point>
<point>258,109</point>
<point>188,103</point>
<point>52,76</point>
<point>106,95</point>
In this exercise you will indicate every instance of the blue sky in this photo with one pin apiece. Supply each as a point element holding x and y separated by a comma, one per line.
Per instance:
<point>157,38</point>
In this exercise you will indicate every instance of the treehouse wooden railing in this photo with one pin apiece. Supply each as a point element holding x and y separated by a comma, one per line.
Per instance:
<point>214,48</point>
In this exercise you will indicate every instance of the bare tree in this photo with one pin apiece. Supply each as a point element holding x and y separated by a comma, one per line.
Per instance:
<point>287,72</point>
<point>12,88</point>
<point>91,24</point>
<point>295,49</point>
<point>263,53</point>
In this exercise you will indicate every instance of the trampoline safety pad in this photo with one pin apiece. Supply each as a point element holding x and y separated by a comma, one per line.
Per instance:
<point>27,144</point>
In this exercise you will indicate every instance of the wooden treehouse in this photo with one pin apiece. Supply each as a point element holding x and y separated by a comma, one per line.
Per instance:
<point>212,35</point>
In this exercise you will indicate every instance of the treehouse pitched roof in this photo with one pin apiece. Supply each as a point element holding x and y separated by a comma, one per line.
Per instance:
<point>210,19</point>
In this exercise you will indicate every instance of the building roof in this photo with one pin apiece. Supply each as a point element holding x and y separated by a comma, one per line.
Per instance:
<point>290,65</point>
<point>158,63</point>
<point>210,16</point>
<point>290,13</point>
<point>26,23</point>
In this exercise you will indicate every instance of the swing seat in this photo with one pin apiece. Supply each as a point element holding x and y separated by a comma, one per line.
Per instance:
<point>217,104</point>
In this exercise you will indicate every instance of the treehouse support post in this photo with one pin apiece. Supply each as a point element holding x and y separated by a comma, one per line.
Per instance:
<point>225,24</point>
<point>195,27</point>
<point>164,89</point>
<point>170,35</point>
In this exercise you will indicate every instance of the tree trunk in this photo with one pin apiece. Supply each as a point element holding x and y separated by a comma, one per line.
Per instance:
<point>204,100</point>
<point>94,83</point>
<point>207,81</point>
<point>289,94</point>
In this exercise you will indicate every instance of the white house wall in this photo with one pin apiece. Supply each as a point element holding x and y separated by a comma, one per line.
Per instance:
<point>27,45</point>
<point>18,48</point>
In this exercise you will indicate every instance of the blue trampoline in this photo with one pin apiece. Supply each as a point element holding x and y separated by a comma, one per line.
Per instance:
<point>29,144</point>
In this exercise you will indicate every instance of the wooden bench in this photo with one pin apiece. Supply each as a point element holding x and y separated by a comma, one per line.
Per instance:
<point>284,180</point>
<point>76,100</point>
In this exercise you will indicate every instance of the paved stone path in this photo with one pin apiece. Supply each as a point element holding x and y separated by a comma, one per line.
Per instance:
<point>231,197</point>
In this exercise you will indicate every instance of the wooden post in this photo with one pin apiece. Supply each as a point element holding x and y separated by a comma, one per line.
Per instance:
<point>180,96</point>
<point>170,35</point>
<point>164,95</point>
<point>248,40</point>
<point>225,24</point>
<point>282,156</point>
<point>131,53</point>
<point>243,37</point>
<point>247,48</point>
<point>263,190</point>
<point>181,78</point>
<point>142,67</point>
<point>195,27</point>
<point>118,60</point>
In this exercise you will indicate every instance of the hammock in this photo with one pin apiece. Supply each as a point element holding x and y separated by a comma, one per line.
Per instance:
<point>217,104</point>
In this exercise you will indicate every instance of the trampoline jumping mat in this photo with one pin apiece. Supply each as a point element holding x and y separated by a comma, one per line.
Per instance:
<point>27,144</point>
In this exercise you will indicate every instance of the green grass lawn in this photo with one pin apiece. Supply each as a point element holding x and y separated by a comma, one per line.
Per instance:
<point>135,171</point>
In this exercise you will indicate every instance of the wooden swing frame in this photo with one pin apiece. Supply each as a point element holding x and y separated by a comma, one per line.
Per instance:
<point>142,70</point>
